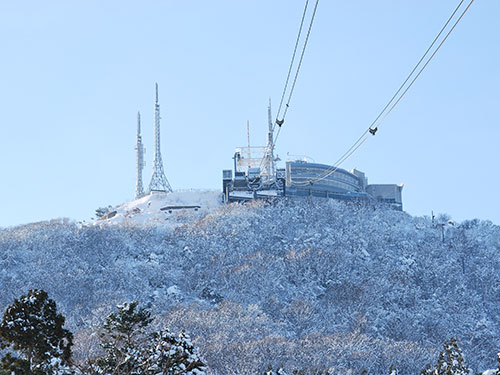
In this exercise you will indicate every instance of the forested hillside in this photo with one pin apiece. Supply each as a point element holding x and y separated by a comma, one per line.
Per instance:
<point>302,283</point>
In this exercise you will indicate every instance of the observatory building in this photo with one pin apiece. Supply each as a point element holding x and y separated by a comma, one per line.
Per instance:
<point>303,179</point>
<point>256,176</point>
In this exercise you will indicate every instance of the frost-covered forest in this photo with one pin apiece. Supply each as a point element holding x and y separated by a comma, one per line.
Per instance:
<point>297,283</point>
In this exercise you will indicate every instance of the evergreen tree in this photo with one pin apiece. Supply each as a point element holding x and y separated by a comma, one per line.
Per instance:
<point>279,371</point>
<point>130,349</point>
<point>172,355</point>
<point>102,211</point>
<point>14,365</point>
<point>450,362</point>
<point>393,370</point>
<point>32,327</point>
<point>123,338</point>
<point>427,370</point>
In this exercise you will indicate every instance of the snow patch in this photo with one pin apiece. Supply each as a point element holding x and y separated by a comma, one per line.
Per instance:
<point>189,205</point>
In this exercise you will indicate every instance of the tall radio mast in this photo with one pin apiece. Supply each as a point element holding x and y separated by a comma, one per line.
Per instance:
<point>249,147</point>
<point>140,150</point>
<point>271,171</point>
<point>159,181</point>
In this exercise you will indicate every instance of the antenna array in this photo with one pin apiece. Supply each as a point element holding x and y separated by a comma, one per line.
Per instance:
<point>140,150</point>
<point>159,181</point>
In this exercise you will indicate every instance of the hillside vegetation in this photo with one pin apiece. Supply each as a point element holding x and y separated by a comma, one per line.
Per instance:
<point>303,283</point>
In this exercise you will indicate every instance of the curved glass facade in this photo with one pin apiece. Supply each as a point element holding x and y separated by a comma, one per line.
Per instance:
<point>321,176</point>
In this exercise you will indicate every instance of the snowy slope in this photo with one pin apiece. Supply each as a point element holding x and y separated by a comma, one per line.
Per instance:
<point>295,282</point>
<point>147,210</point>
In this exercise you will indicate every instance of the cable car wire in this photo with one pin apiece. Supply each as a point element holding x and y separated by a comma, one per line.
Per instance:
<point>383,113</point>
<point>300,61</point>
<point>417,65</point>
<point>428,61</point>
<point>287,105</point>
<point>291,62</point>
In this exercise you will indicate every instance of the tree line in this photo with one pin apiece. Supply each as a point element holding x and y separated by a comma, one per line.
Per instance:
<point>34,342</point>
<point>33,336</point>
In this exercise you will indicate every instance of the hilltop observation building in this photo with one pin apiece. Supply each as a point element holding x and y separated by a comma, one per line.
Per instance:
<point>320,180</point>
<point>256,176</point>
<point>304,179</point>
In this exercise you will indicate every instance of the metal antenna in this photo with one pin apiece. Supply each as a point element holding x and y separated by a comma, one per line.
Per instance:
<point>159,181</point>
<point>270,143</point>
<point>140,150</point>
<point>249,151</point>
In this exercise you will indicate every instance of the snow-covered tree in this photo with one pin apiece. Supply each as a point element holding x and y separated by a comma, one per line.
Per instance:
<point>279,371</point>
<point>123,339</point>
<point>393,370</point>
<point>493,371</point>
<point>313,371</point>
<point>427,370</point>
<point>34,333</point>
<point>297,282</point>
<point>450,362</point>
<point>102,211</point>
<point>131,349</point>
<point>172,355</point>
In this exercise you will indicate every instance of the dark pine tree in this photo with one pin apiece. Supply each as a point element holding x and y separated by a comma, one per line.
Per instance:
<point>169,354</point>
<point>123,339</point>
<point>131,349</point>
<point>450,362</point>
<point>33,331</point>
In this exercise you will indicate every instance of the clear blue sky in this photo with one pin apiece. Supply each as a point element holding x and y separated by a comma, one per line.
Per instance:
<point>74,74</point>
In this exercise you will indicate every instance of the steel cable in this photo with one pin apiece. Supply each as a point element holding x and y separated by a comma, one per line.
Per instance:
<point>356,146</point>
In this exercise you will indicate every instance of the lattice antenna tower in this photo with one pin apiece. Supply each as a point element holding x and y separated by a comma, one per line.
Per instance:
<point>140,150</point>
<point>270,144</point>
<point>159,181</point>
<point>249,147</point>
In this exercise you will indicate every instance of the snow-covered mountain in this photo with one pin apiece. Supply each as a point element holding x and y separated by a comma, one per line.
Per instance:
<point>298,282</point>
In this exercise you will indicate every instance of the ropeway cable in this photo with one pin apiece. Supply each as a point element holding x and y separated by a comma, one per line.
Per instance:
<point>428,61</point>
<point>291,62</point>
<point>299,65</point>
<point>336,167</point>
<point>405,81</point>
<point>348,152</point>
<point>287,105</point>
<point>372,130</point>
<point>417,65</point>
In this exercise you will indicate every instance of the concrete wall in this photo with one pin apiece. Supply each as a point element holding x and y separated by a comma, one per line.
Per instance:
<point>386,192</point>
